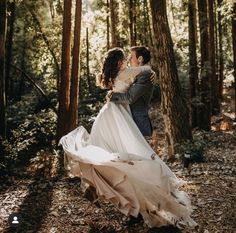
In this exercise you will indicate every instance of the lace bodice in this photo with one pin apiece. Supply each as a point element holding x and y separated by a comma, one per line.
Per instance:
<point>126,77</point>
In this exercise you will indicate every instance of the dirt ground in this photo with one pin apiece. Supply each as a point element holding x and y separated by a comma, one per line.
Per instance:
<point>50,205</point>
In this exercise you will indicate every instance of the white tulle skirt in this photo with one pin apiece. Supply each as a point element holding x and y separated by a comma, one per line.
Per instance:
<point>116,159</point>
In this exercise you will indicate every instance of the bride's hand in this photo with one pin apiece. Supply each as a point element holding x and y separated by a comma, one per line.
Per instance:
<point>108,96</point>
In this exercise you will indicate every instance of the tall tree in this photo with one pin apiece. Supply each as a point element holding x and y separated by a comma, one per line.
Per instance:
<point>174,107</point>
<point>3,13</point>
<point>193,68</point>
<point>115,39</point>
<point>146,12</point>
<point>69,87</point>
<point>11,20</point>
<point>108,26</point>
<point>205,93</point>
<point>87,61</point>
<point>74,99</point>
<point>234,51</point>
<point>221,58</point>
<point>214,85</point>
<point>64,93</point>
<point>131,22</point>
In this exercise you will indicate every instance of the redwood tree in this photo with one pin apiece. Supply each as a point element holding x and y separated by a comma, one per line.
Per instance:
<point>205,92</point>
<point>174,107</point>
<point>221,59</point>
<point>131,22</point>
<point>214,84</point>
<point>11,20</point>
<point>74,100</point>
<point>234,49</point>
<point>108,26</point>
<point>193,69</point>
<point>64,92</point>
<point>68,95</point>
<point>2,69</point>
<point>114,21</point>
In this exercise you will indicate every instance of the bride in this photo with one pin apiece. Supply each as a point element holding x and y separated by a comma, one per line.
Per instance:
<point>118,162</point>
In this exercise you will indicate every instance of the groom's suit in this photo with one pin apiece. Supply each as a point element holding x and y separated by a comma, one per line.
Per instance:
<point>138,97</point>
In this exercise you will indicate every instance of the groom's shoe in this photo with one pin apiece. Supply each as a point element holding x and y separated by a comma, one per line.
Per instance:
<point>132,221</point>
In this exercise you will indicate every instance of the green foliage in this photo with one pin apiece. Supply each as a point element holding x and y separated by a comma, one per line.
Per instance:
<point>30,51</point>
<point>36,131</point>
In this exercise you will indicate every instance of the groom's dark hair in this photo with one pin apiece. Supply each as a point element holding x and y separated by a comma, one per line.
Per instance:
<point>142,51</point>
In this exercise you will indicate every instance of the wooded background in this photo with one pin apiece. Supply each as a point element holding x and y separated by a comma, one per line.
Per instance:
<point>51,51</point>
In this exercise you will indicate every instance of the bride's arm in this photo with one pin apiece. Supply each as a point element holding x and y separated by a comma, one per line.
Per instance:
<point>137,89</point>
<point>132,73</point>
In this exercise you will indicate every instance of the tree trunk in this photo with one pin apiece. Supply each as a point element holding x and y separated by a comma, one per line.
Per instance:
<point>135,22</point>
<point>9,47</point>
<point>64,97</point>
<point>74,97</point>
<point>174,107</point>
<point>193,69</point>
<point>234,52</point>
<point>205,93</point>
<point>87,61</point>
<point>108,27</point>
<point>131,22</point>
<point>114,22</point>
<point>214,93</point>
<point>146,12</point>
<point>216,50</point>
<point>221,59</point>
<point>3,12</point>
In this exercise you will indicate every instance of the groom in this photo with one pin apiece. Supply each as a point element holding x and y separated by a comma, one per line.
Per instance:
<point>140,92</point>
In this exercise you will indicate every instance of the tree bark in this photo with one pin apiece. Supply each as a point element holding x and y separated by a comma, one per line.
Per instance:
<point>108,26</point>
<point>9,47</point>
<point>221,59</point>
<point>87,61</point>
<point>131,22</point>
<point>148,25</point>
<point>234,52</point>
<point>214,92</point>
<point>3,12</point>
<point>205,93</point>
<point>193,69</point>
<point>74,97</point>
<point>174,107</point>
<point>64,93</point>
<point>135,22</point>
<point>115,40</point>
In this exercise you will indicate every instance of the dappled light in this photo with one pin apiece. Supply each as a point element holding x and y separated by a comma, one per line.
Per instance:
<point>117,116</point>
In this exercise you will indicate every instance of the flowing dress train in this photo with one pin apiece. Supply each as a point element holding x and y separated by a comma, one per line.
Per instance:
<point>116,159</point>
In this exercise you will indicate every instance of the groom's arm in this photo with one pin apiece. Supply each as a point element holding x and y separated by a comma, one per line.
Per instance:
<point>138,88</point>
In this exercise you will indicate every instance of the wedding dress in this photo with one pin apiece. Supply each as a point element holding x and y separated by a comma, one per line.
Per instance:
<point>116,159</point>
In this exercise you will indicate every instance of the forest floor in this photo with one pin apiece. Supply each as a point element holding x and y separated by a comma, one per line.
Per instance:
<point>50,205</point>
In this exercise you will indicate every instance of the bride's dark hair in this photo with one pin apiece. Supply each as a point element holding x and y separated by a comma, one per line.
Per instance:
<point>111,67</point>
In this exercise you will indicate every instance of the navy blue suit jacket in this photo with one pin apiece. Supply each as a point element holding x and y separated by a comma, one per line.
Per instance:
<point>138,97</point>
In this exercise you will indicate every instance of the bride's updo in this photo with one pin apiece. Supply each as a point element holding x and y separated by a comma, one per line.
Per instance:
<point>111,66</point>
